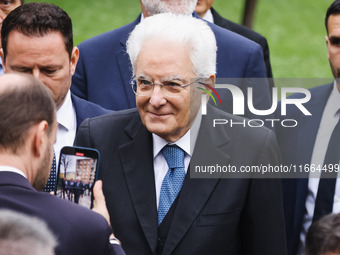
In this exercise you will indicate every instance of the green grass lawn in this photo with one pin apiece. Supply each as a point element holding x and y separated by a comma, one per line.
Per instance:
<point>294,28</point>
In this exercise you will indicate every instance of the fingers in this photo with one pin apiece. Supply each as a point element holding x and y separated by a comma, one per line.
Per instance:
<point>98,190</point>
<point>99,204</point>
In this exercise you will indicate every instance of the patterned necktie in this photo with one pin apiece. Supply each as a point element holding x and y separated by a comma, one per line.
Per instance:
<point>51,183</point>
<point>173,180</point>
<point>325,195</point>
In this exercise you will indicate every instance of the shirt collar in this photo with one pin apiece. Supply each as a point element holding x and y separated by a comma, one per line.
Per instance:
<point>12,169</point>
<point>186,142</point>
<point>208,16</point>
<point>142,17</point>
<point>65,117</point>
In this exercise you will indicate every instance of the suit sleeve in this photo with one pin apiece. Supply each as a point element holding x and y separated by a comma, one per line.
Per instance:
<point>263,225</point>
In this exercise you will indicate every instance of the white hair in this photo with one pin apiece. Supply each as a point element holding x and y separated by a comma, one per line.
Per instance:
<point>192,32</point>
<point>185,7</point>
<point>24,234</point>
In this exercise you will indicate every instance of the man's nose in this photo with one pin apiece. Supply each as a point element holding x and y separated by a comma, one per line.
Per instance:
<point>36,73</point>
<point>157,97</point>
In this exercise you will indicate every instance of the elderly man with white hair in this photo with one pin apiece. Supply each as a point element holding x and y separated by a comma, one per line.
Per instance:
<point>155,205</point>
<point>103,72</point>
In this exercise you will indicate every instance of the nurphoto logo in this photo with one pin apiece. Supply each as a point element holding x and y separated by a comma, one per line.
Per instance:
<point>239,104</point>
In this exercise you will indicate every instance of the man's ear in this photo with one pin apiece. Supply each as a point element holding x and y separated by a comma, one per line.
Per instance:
<point>74,59</point>
<point>39,137</point>
<point>212,78</point>
<point>328,44</point>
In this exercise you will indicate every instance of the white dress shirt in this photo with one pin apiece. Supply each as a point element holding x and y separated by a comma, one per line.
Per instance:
<point>186,143</point>
<point>12,169</point>
<point>208,16</point>
<point>330,118</point>
<point>67,126</point>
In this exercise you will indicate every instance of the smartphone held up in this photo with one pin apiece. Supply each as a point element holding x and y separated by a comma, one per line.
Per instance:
<point>77,173</point>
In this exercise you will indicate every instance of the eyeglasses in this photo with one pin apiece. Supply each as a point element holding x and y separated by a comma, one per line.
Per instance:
<point>144,87</point>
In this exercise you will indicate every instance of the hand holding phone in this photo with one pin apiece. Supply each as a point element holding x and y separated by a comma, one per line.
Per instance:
<point>99,203</point>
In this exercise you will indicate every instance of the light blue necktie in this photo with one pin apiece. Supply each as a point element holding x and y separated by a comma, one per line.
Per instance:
<point>173,180</point>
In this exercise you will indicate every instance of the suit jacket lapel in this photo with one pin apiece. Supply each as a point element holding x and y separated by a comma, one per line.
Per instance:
<point>196,192</point>
<point>218,20</point>
<point>124,65</point>
<point>137,161</point>
<point>79,118</point>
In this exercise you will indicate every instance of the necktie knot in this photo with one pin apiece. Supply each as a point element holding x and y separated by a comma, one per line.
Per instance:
<point>174,156</point>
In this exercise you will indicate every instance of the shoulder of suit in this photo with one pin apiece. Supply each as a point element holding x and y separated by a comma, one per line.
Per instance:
<point>319,96</point>
<point>87,107</point>
<point>322,89</point>
<point>117,117</point>
<point>238,28</point>
<point>110,37</point>
<point>227,39</point>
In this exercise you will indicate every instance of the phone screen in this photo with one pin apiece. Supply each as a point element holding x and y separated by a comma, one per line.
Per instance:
<point>77,172</point>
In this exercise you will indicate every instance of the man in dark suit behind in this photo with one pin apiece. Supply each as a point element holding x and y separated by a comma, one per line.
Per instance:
<point>205,10</point>
<point>28,130</point>
<point>309,145</point>
<point>78,190</point>
<point>156,206</point>
<point>37,38</point>
<point>103,73</point>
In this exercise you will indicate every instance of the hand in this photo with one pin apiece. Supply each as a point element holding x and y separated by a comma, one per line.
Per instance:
<point>99,204</point>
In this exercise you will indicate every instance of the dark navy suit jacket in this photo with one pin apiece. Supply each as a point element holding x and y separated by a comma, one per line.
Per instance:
<point>85,109</point>
<point>296,146</point>
<point>213,216</point>
<point>246,32</point>
<point>79,230</point>
<point>104,70</point>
